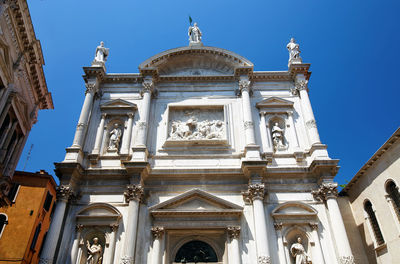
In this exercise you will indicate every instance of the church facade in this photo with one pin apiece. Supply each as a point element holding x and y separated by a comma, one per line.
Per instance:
<point>197,159</point>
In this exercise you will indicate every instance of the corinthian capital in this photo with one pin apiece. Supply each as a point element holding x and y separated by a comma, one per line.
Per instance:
<point>90,87</point>
<point>325,191</point>
<point>233,232</point>
<point>244,85</point>
<point>254,191</point>
<point>301,85</point>
<point>64,192</point>
<point>134,192</point>
<point>157,232</point>
<point>148,86</point>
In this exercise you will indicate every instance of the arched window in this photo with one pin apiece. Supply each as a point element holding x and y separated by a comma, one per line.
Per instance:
<point>393,192</point>
<point>196,251</point>
<point>374,223</point>
<point>3,223</point>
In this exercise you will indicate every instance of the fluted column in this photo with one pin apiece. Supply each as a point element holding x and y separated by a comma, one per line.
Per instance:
<point>234,252</point>
<point>318,256</point>
<point>308,115</point>
<point>281,247</point>
<point>328,192</point>
<point>113,236</point>
<point>128,135</point>
<point>85,113</point>
<point>148,87</point>
<point>75,245</point>
<point>244,86</point>
<point>158,233</point>
<point>133,196</point>
<point>64,193</point>
<point>99,134</point>
<point>255,195</point>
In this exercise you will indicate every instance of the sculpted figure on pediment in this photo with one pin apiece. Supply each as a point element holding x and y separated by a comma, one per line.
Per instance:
<point>294,52</point>
<point>194,34</point>
<point>101,54</point>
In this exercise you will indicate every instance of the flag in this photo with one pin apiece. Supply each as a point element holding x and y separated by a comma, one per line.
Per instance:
<point>190,20</point>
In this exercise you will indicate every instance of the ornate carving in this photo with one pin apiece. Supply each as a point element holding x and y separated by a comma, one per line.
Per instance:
<point>78,228</point>
<point>90,87</point>
<point>244,85</point>
<point>248,124</point>
<point>277,137</point>
<point>115,138</point>
<point>299,253</point>
<point>347,260</point>
<point>314,226</point>
<point>157,232</point>
<point>278,226</point>
<point>45,261</point>
<point>127,260</point>
<point>134,192</point>
<point>294,52</point>
<point>301,85</point>
<point>255,191</point>
<point>294,91</point>
<point>264,260</point>
<point>114,228</point>
<point>64,192</point>
<point>194,34</point>
<point>100,55</point>
<point>326,190</point>
<point>148,86</point>
<point>233,232</point>
<point>311,124</point>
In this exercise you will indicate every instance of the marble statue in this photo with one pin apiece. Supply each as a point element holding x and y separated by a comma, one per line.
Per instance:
<point>298,252</point>
<point>294,52</point>
<point>115,138</point>
<point>194,34</point>
<point>95,252</point>
<point>101,54</point>
<point>277,136</point>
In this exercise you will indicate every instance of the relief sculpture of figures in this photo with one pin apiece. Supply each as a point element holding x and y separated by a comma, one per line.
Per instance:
<point>194,34</point>
<point>277,136</point>
<point>298,252</point>
<point>101,54</point>
<point>115,138</point>
<point>95,252</point>
<point>294,52</point>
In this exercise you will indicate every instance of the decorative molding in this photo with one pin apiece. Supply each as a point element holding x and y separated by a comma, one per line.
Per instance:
<point>134,192</point>
<point>233,232</point>
<point>264,260</point>
<point>127,260</point>
<point>346,260</point>
<point>326,190</point>
<point>157,232</point>
<point>254,191</point>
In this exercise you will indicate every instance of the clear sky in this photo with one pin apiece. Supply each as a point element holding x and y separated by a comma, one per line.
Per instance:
<point>353,48</point>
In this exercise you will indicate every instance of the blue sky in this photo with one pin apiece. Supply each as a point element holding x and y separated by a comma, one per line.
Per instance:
<point>352,47</point>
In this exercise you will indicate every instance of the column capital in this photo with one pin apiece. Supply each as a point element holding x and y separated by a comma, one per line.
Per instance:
<point>244,85</point>
<point>134,192</point>
<point>264,260</point>
<point>278,226</point>
<point>90,87</point>
<point>346,260</point>
<point>79,227</point>
<point>127,260</point>
<point>65,193</point>
<point>314,226</point>
<point>103,115</point>
<point>148,87</point>
<point>157,231</point>
<point>326,190</point>
<point>233,231</point>
<point>114,227</point>
<point>254,191</point>
<point>248,124</point>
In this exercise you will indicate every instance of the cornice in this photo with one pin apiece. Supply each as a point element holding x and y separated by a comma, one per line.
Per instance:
<point>392,140</point>
<point>302,68</point>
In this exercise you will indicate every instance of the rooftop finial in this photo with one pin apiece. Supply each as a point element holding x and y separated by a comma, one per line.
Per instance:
<point>101,55</point>
<point>194,35</point>
<point>294,52</point>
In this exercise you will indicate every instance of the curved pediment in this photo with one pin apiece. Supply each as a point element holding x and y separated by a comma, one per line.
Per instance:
<point>99,213</point>
<point>294,209</point>
<point>195,61</point>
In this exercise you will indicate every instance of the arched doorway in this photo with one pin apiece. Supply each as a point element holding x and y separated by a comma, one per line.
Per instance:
<point>196,251</point>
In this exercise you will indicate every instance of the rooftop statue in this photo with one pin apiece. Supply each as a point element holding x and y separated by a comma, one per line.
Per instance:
<point>294,52</point>
<point>194,34</point>
<point>101,55</point>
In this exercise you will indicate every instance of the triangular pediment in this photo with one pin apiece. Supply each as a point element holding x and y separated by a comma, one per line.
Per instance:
<point>196,201</point>
<point>294,209</point>
<point>118,104</point>
<point>275,102</point>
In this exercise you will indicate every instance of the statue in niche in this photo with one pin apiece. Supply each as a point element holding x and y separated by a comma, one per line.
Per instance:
<point>101,54</point>
<point>194,34</point>
<point>294,51</point>
<point>298,252</point>
<point>115,138</point>
<point>95,252</point>
<point>277,136</point>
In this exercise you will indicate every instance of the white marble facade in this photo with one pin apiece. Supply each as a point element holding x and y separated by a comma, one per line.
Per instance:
<point>199,172</point>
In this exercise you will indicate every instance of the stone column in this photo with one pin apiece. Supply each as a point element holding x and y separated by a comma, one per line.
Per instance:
<point>148,87</point>
<point>158,233</point>
<point>84,117</point>
<point>133,196</point>
<point>328,192</point>
<point>295,140</point>
<point>265,134</point>
<point>318,256</point>
<point>128,135</point>
<point>64,193</point>
<point>114,229</point>
<point>311,125</point>
<point>99,135</point>
<point>244,86</point>
<point>75,245</point>
<point>8,134</point>
<point>255,195</point>
<point>281,247</point>
<point>234,252</point>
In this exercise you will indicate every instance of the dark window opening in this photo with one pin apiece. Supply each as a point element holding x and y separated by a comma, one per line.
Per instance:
<point>3,222</point>
<point>4,126</point>
<point>12,195</point>
<point>374,223</point>
<point>47,202</point>
<point>35,236</point>
<point>196,251</point>
<point>394,194</point>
